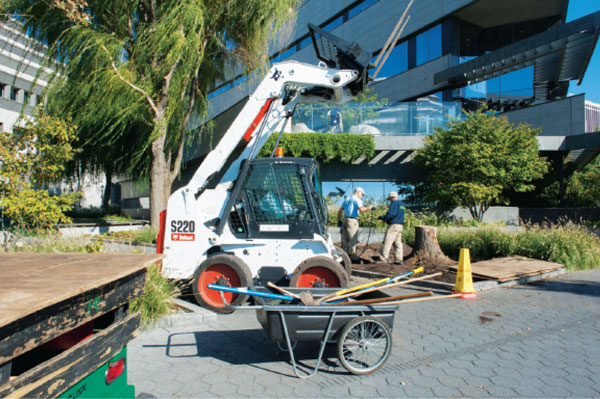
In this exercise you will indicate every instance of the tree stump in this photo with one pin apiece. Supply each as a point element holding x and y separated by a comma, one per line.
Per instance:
<point>427,248</point>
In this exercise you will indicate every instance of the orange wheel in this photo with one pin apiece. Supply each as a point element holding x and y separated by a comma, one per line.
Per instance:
<point>318,277</point>
<point>221,269</point>
<point>319,272</point>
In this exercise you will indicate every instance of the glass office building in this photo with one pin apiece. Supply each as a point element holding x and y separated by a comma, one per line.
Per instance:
<point>518,57</point>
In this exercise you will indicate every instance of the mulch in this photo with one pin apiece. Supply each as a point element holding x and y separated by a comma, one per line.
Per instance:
<point>514,266</point>
<point>370,254</point>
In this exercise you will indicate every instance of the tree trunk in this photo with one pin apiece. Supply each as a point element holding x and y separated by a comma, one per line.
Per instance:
<point>160,184</point>
<point>427,249</point>
<point>108,187</point>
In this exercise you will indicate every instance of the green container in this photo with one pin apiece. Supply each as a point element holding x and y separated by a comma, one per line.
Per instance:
<point>95,385</point>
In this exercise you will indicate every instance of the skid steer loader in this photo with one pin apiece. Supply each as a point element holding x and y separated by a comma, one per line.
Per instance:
<point>243,220</point>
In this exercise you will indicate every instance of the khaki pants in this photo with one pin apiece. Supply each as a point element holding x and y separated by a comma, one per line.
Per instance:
<point>350,236</point>
<point>393,237</point>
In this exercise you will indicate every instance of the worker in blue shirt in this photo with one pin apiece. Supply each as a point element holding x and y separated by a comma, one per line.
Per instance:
<point>351,209</point>
<point>393,235</point>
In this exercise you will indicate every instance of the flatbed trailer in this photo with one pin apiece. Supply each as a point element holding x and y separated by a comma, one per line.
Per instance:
<point>64,323</point>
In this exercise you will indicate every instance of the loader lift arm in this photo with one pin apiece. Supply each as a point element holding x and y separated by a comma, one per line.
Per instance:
<point>216,196</point>
<point>286,84</point>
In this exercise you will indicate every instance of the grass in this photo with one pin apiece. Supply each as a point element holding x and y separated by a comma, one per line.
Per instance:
<point>158,298</point>
<point>570,245</point>
<point>140,236</point>
<point>52,243</point>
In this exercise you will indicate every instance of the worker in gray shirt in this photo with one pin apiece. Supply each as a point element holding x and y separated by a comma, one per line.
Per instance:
<point>393,235</point>
<point>351,209</point>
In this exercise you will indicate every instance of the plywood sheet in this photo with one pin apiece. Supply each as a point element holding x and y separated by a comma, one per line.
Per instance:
<point>510,268</point>
<point>30,282</point>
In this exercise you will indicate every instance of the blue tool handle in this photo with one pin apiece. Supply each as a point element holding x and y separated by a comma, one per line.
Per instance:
<point>246,291</point>
<point>394,279</point>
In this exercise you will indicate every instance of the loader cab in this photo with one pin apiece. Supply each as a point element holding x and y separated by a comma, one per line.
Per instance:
<point>279,198</point>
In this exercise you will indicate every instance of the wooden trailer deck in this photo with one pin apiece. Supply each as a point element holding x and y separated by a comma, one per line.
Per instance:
<point>43,296</point>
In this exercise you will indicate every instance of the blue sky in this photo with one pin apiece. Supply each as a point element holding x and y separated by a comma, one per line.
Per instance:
<point>591,80</point>
<point>590,86</point>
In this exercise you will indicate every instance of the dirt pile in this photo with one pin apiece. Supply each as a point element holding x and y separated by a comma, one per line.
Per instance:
<point>369,255</point>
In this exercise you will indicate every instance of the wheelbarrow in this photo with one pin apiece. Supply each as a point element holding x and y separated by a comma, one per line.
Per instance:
<point>362,333</point>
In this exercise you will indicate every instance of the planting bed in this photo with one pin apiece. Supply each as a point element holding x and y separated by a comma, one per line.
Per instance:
<point>513,266</point>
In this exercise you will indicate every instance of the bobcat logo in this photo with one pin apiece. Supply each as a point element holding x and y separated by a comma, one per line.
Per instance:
<point>276,75</point>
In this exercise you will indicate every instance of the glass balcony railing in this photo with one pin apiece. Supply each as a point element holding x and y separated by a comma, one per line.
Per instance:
<point>397,119</point>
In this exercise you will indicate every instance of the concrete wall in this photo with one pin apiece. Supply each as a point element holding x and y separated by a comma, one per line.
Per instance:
<point>495,214</point>
<point>414,82</point>
<point>558,215</point>
<point>557,118</point>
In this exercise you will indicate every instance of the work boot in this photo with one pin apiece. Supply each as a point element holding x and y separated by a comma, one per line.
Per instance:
<point>398,262</point>
<point>381,260</point>
<point>355,259</point>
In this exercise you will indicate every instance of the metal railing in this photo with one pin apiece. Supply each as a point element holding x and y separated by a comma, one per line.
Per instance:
<point>397,119</point>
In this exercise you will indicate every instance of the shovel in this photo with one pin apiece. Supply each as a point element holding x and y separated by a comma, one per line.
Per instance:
<point>246,291</point>
<point>384,301</point>
<point>340,297</point>
<point>363,287</point>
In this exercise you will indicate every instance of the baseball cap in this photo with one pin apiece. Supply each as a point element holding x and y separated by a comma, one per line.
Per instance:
<point>392,194</point>
<point>359,189</point>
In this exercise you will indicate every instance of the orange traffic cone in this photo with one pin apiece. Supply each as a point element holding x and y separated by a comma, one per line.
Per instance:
<point>464,278</point>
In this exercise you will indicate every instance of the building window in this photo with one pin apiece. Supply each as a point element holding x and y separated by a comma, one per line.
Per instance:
<point>429,45</point>
<point>515,85</point>
<point>306,40</point>
<point>14,92</point>
<point>334,24</point>
<point>503,92</point>
<point>396,63</point>
<point>360,8</point>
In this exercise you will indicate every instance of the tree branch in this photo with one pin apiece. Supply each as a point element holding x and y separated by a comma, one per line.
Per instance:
<point>130,84</point>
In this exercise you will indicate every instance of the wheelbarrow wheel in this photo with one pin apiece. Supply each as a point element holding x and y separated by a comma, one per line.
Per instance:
<point>222,269</point>
<point>364,345</point>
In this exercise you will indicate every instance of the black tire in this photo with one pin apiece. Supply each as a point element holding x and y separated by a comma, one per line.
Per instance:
<point>364,345</point>
<point>319,271</point>
<point>346,262</point>
<point>221,269</point>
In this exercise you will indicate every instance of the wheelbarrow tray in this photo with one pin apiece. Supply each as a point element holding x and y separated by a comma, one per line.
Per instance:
<point>309,323</point>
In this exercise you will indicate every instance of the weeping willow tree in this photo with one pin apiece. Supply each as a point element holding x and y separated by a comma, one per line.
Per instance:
<point>135,71</point>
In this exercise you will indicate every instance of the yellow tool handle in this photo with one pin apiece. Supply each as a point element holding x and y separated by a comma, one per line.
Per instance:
<point>376,282</point>
<point>360,287</point>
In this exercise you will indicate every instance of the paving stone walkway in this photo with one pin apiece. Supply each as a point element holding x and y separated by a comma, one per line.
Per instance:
<point>535,340</point>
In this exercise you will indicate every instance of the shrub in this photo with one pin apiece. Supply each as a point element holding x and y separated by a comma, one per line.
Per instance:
<point>344,147</point>
<point>94,212</point>
<point>157,299</point>
<point>32,156</point>
<point>36,209</point>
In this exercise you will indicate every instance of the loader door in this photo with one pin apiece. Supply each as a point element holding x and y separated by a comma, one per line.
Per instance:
<point>279,200</point>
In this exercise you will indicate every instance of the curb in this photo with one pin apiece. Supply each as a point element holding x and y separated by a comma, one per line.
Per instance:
<point>189,315</point>
<point>479,285</point>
